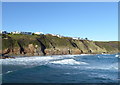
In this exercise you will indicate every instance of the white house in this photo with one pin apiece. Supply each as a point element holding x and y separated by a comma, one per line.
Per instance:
<point>38,33</point>
<point>15,32</point>
<point>59,36</point>
<point>76,38</point>
<point>26,33</point>
<point>53,34</point>
<point>56,35</point>
<point>0,31</point>
<point>3,32</point>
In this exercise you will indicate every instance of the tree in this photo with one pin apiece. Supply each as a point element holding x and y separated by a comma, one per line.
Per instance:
<point>33,33</point>
<point>86,38</point>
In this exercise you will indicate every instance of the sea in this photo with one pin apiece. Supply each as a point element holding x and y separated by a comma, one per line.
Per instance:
<point>84,68</point>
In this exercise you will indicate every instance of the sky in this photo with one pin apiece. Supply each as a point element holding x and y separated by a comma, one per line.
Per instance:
<point>97,21</point>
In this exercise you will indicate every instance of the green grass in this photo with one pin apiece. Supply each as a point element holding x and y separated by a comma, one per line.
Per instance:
<point>11,41</point>
<point>109,46</point>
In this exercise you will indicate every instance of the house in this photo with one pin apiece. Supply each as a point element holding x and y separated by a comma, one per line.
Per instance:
<point>59,36</point>
<point>0,32</point>
<point>53,34</point>
<point>76,38</point>
<point>56,35</point>
<point>15,32</point>
<point>38,33</point>
<point>26,33</point>
<point>3,32</point>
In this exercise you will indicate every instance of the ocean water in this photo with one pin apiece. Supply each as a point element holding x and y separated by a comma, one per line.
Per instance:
<point>85,68</point>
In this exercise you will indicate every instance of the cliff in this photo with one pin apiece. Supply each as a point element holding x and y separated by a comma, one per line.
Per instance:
<point>37,45</point>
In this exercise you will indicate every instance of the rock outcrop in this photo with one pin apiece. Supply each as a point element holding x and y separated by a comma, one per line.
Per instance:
<point>38,45</point>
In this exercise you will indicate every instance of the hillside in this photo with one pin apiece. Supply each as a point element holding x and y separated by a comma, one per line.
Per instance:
<point>34,45</point>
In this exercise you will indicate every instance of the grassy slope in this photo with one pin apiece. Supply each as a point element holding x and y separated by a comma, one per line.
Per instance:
<point>109,46</point>
<point>13,40</point>
<point>53,41</point>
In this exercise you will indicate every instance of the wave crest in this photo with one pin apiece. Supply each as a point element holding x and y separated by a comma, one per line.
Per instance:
<point>68,61</point>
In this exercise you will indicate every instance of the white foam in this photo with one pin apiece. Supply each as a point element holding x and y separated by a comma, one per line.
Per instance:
<point>86,54</point>
<point>98,56</point>
<point>67,73</point>
<point>105,54</point>
<point>27,61</point>
<point>36,60</point>
<point>108,67</point>
<point>117,56</point>
<point>8,72</point>
<point>68,61</point>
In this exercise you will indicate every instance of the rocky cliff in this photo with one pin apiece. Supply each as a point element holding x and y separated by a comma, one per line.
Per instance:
<point>37,45</point>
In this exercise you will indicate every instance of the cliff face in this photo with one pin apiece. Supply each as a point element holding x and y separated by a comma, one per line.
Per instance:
<point>34,45</point>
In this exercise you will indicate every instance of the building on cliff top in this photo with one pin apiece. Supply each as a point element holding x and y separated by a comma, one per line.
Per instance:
<point>38,33</point>
<point>15,32</point>
<point>76,38</point>
<point>3,32</point>
<point>26,33</point>
<point>57,35</point>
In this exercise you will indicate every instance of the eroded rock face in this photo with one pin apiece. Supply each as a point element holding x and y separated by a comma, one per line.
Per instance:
<point>6,51</point>
<point>55,51</point>
<point>16,51</point>
<point>55,46</point>
<point>33,50</point>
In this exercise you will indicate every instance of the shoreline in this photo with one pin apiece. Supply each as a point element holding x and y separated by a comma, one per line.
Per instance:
<point>20,56</point>
<point>43,45</point>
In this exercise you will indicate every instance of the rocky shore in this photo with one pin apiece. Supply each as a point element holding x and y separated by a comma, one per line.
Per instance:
<point>39,45</point>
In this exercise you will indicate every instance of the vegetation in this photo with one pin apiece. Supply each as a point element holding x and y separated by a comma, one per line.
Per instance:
<point>109,46</point>
<point>48,41</point>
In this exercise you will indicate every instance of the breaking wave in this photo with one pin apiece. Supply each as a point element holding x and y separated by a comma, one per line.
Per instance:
<point>27,61</point>
<point>117,56</point>
<point>9,72</point>
<point>62,67</point>
<point>68,61</point>
<point>36,60</point>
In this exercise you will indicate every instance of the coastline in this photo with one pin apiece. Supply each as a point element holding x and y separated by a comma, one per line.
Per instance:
<point>20,56</point>
<point>43,45</point>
